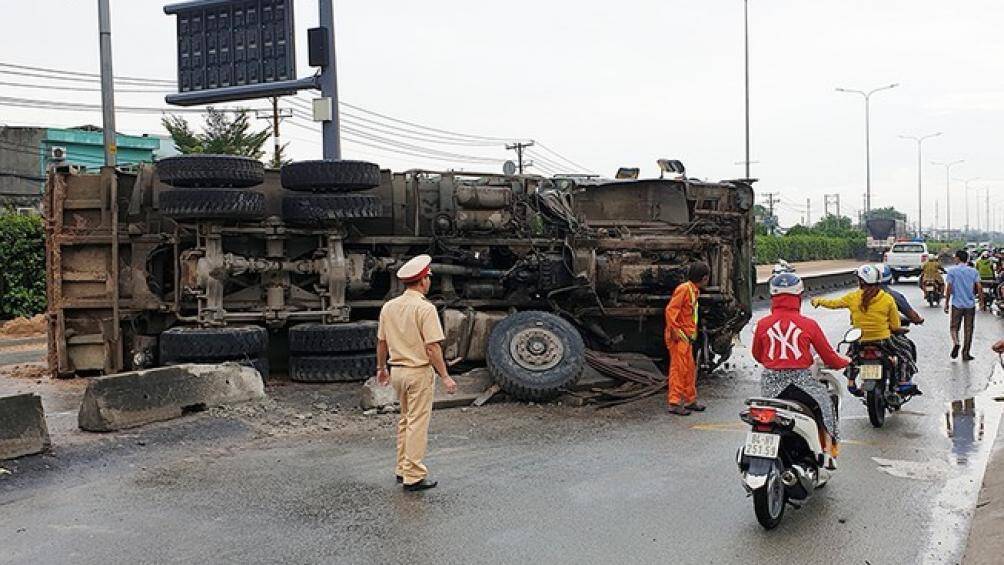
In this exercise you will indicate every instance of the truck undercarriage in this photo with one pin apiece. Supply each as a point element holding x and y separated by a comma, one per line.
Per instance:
<point>207,244</point>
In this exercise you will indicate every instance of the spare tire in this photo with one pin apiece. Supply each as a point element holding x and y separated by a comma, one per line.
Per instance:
<point>350,367</point>
<point>195,345</point>
<point>333,338</point>
<point>534,355</point>
<point>322,209</point>
<point>330,176</point>
<point>221,204</point>
<point>190,171</point>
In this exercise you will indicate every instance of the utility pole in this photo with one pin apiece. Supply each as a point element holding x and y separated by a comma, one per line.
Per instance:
<point>935,215</point>
<point>948,192</point>
<point>831,200</point>
<point>107,84</point>
<point>518,147</point>
<point>988,211</point>
<point>276,116</point>
<point>808,212</point>
<point>772,199</point>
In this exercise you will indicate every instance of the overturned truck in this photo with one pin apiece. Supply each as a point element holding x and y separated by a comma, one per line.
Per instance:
<point>207,258</point>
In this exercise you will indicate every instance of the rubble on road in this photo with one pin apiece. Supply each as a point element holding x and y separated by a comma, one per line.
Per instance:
<point>471,387</point>
<point>28,371</point>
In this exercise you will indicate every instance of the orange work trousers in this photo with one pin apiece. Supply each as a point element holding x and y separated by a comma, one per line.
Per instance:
<point>682,373</point>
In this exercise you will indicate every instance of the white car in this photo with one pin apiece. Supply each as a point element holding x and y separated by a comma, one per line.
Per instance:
<point>906,258</point>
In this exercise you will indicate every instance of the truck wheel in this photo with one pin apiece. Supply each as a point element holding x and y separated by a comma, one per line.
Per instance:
<point>332,368</point>
<point>534,355</point>
<point>221,204</point>
<point>322,209</point>
<point>333,338</point>
<point>190,171</point>
<point>194,345</point>
<point>330,176</point>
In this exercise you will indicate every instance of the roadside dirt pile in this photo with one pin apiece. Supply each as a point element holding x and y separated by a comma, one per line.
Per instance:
<point>28,371</point>
<point>24,327</point>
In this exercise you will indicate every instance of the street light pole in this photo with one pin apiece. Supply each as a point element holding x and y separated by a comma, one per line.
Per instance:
<point>948,191</point>
<point>966,182</point>
<point>746,45</point>
<point>868,165</point>
<point>920,192</point>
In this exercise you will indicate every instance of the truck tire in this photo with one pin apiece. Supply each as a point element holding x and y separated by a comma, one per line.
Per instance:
<point>191,171</point>
<point>221,204</point>
<point>534,355</point>
<point>350,367</point>
<point>330,176</point>
<point>322,209</point>
<point>332,338</point>
<point>200,345</point>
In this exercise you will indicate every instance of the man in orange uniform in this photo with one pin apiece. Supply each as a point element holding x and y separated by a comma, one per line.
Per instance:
<point>681,332</point>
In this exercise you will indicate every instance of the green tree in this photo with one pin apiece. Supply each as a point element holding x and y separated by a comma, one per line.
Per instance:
<point>279,157</point>
<point>885,213</point>
<point>223,133</point>
<point>835,226</point>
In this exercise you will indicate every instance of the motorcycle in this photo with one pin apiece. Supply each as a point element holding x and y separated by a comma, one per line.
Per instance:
<point>933,292</point>
<point>783,461</point>
<point>876,373</point>
<point>989,292</point>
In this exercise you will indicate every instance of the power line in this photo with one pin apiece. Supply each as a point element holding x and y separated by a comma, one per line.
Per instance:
<point>78,88</point>
<point>83,74</point>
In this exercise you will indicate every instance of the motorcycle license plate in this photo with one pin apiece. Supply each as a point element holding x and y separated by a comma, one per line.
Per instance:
<point>762,445</point>
<point>870,372</point>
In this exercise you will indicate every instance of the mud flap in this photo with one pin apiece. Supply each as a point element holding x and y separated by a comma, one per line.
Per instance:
<point>868,386</point>
<point>756,474</point>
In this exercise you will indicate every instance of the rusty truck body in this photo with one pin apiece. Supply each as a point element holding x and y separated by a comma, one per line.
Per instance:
<point>134,259</point>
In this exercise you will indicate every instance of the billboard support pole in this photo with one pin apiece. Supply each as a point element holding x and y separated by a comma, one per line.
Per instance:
<point>330,129</point>
<point>107,85</point>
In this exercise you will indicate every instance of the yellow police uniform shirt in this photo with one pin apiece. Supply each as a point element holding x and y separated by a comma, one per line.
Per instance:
<point>408,323</point>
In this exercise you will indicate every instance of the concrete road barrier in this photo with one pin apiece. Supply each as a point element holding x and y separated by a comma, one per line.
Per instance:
<point>22,426</point>
<point>814,284</point>
<point>127,400</point>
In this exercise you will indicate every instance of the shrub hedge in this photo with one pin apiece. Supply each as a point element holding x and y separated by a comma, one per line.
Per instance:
<point>22,257</point>
<point>802,247</point>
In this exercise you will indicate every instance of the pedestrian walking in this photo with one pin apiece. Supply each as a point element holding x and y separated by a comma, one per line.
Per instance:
<point>408,340</point>
<point>963,288</point>
<point>680,334</point>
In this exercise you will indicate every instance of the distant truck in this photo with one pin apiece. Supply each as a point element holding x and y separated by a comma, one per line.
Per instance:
<point>883,233</point>
<point>906,259</point>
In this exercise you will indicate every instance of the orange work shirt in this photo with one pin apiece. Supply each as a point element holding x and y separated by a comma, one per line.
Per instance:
<point>681,313</point>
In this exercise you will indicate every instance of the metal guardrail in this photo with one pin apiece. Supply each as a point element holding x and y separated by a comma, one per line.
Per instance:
<point>814,283</point>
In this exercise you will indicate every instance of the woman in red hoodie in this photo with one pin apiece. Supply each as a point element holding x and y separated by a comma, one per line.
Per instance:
<point>783,344</point>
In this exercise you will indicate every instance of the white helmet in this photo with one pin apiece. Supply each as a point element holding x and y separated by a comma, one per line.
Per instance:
<point>869,274</point>
<point>985,255</point>
<point>786,283</point>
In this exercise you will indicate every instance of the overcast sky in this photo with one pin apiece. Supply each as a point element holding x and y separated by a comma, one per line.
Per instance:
<point>609,84</point>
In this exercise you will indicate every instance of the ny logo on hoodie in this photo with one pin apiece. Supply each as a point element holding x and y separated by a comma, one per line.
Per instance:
<point>786,340</point>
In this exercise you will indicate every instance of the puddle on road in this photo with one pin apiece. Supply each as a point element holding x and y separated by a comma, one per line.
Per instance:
<point>971,426</point>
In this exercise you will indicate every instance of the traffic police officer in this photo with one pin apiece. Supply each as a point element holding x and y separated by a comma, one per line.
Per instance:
<point>409,337</point>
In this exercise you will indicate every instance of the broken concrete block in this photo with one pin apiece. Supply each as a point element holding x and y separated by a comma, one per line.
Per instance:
<point>22,426</point>
<point>375,396</point>
<point>127,400</point>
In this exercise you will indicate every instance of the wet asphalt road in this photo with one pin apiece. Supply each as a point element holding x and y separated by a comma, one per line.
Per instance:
<point>553,485</point>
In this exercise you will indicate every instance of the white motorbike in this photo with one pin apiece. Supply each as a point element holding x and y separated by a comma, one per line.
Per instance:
<point>783,461</point>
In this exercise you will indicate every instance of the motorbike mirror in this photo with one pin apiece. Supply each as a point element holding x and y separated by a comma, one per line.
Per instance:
<point>852,335</point>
